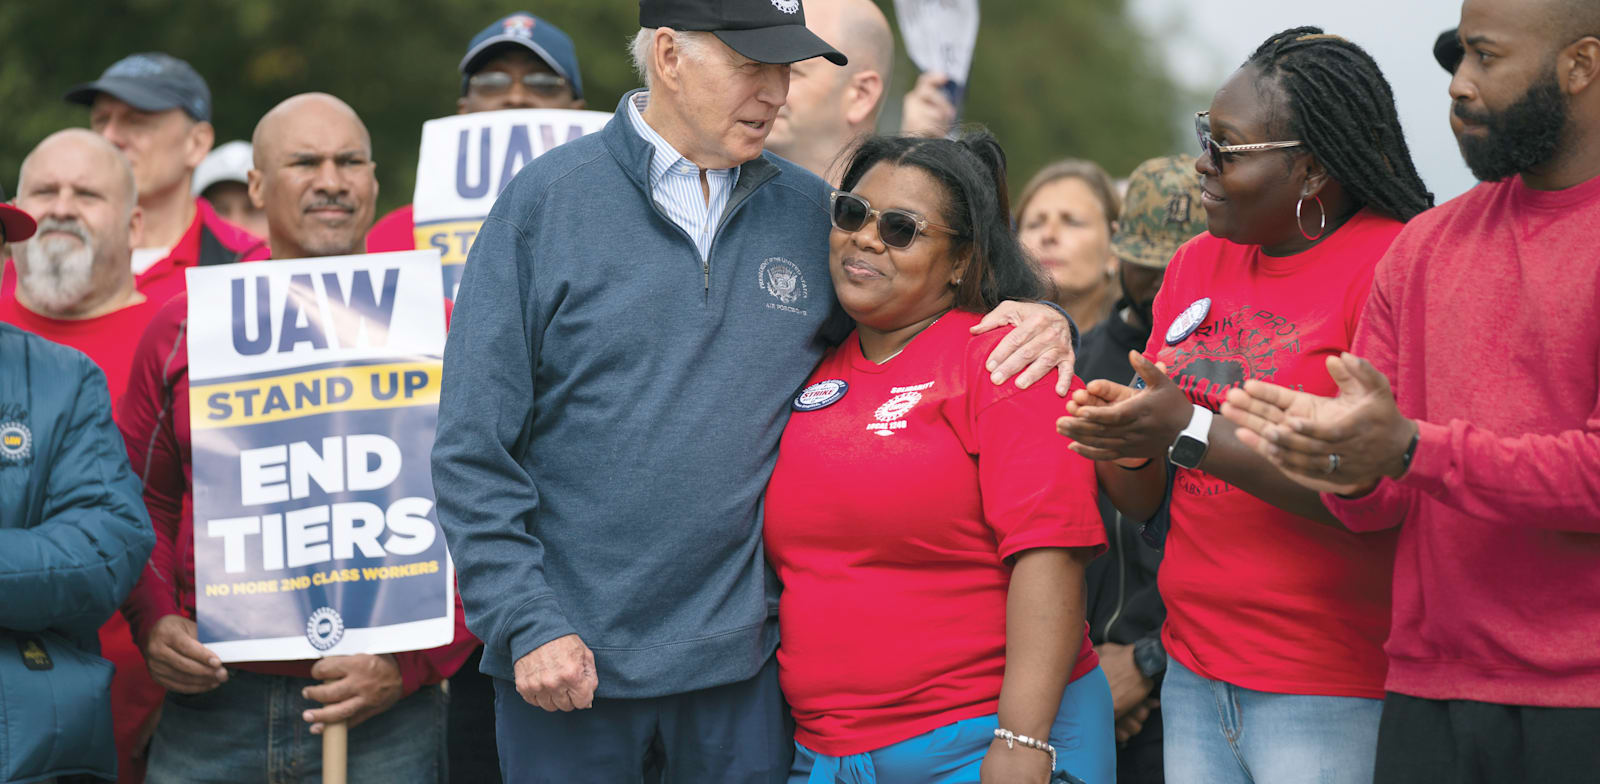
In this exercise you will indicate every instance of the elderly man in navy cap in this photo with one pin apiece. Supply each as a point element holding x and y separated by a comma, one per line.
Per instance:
<point>636,312</point>
<point>518,62</point>
<point>157,110</point>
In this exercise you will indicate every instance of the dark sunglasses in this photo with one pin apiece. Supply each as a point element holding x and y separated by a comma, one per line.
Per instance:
<point>548,85</point>
<point>897,228</point>
<point>1210,146</point>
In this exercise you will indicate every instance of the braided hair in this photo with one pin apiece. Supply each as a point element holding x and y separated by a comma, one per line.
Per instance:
<point>1341,105</point>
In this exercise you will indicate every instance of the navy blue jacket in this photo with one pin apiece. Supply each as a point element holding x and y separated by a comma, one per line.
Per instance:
<point>73,538</point>
<point>610,414</point>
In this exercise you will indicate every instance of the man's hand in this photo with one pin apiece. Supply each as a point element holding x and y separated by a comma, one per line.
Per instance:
<point>1041,342</point>
<point>1129,687</point>
<point>1133,723</point>
<point>1299,431</point>
<point>1114,422</point>
<point>559,675</point>
<point>926,110</point>
<point>178,661</point>
<point>1019,765</point>
<point>358,688</point>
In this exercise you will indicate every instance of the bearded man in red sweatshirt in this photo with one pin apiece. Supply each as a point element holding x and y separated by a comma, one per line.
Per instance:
<point>1469,416</point>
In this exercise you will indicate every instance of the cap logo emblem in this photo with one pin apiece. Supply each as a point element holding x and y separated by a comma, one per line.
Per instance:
<point>1178,208</point>
<point>519,26</point>
<point>787,6</point>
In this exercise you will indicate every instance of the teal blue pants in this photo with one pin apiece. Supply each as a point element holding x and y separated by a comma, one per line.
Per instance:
<point>1083,734</point>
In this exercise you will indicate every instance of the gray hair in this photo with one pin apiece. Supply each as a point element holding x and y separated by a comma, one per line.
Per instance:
<point>694,45</point>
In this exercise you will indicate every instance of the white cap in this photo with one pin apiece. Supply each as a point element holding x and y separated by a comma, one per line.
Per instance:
<point>231,162</point>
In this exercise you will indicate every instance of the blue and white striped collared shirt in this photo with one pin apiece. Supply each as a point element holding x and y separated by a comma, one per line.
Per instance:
<point>675,183</point>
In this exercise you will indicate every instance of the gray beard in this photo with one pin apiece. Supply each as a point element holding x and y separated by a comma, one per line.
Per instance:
<point>59,273</point>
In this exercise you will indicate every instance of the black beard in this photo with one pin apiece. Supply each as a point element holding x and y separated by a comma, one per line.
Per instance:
<point>1520,137</point>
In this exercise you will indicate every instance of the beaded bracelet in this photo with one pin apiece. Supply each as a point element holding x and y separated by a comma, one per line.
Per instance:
<point>1012,738</point>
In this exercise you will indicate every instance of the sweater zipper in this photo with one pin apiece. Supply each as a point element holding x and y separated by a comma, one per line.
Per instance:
<point>1122,574</point>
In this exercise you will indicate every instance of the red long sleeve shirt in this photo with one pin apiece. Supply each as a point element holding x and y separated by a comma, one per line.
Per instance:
<point>1482,316</point>
<point>154,419</point>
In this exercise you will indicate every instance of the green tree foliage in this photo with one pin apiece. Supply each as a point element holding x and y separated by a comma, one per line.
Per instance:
<point>1063,77</point>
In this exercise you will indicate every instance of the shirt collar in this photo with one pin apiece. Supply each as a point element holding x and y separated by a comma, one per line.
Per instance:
<point>666,158</point>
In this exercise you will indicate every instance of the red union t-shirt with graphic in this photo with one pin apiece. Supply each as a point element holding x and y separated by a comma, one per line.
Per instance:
<point>889,519</point>
<point>1256,596</point>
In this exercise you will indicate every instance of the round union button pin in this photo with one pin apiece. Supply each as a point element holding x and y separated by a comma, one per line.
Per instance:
<point>1188,321</point>
<point>820,395</point>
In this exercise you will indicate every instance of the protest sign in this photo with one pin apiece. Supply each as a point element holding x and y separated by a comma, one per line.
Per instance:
<point>313,396</point>
<point>940,36</point>
<point>467,159</point>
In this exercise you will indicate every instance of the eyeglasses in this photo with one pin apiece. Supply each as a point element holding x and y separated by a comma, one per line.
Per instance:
<point>1209,146</point>
<point>539,83</point>
<point>897,228</point>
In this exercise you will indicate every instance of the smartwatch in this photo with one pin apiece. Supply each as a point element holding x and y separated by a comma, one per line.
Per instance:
<point>1190,448</point>
<point>1150,658</point>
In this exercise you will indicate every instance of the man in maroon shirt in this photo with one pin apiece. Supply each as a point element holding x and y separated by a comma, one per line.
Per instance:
<point>315,180</point>
<point>1475,426</point>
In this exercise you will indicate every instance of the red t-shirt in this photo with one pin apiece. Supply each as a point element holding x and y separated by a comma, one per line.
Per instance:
<point>1256,596</point>
<point>889,518</point>
<point>109,340</point>
<point>393,232</point>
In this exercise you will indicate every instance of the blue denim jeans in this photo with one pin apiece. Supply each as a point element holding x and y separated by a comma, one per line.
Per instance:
<point>953,754</point>
<point>249,731</point>
<point>1219,733</point>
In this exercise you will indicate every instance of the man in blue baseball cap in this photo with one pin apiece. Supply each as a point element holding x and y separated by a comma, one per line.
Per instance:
<point>520,62</point>
<point>157,111</point>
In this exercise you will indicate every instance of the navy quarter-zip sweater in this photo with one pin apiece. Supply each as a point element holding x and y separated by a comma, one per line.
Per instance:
<point>611,413</point>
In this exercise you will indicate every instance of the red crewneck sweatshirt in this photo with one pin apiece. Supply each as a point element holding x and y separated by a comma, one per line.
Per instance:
<point>1483,317</point>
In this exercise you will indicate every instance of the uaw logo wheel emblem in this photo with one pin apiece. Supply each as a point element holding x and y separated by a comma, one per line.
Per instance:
<point>782,279</point>
<point>890,416</point>
<point>16,442</point>
<point>786,6</point>
<point>324,629</point>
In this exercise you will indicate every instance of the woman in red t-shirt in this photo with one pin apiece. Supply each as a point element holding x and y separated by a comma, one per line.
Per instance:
<point>1275,611</point>
<point>929,528</point>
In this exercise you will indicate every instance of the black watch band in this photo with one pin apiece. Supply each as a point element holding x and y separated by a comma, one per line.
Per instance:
<point>1150,658</point>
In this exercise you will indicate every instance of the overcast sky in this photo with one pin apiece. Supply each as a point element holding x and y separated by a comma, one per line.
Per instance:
<point>1204,41</point>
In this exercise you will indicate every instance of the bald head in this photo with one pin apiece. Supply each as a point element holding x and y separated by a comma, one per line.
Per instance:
<point>82,192</point>
<point>314,177</point>
<point>313,112</point>
<point>90,151</point>
<point>857,28</point>
<point>830,107</point>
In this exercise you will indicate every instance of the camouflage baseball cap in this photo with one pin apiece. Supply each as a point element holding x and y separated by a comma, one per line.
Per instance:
<point>1161,211</point>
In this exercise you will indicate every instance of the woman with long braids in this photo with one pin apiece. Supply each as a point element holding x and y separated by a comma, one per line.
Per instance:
<point>1276,615</point>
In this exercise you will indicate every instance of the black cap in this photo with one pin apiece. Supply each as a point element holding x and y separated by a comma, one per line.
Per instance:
<point>767,31</point>
<point>150,82</point>
<point>1448,51</point>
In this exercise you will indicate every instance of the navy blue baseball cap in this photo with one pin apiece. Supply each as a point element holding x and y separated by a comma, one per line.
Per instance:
<point>150,82</point>
<point>766,31</point>
<point>545,40</point>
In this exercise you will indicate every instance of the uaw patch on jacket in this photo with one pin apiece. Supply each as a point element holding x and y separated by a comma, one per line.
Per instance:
<point>16,438</point>
<point>313,395</point>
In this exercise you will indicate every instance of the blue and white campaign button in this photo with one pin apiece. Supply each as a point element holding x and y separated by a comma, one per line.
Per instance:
<point>1188,321</point>
<point>820,395</point>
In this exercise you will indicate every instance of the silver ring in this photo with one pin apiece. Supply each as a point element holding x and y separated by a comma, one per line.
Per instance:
<point>1333,463</point>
